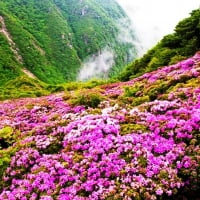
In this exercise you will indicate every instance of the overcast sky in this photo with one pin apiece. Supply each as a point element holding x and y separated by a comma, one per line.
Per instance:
<point>152,19</point>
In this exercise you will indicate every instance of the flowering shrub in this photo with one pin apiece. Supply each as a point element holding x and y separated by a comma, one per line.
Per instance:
<point>70,152</point>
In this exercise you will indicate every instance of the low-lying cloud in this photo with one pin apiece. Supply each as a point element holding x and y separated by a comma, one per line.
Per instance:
<point>127,35</point>
<point>97,66</point>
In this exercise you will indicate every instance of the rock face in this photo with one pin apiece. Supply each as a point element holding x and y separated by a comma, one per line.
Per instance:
<point>52,38</point>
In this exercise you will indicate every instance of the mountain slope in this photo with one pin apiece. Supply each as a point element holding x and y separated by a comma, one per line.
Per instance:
<point>128,140</point>
<point>183,43</point>
<point>54,37</point>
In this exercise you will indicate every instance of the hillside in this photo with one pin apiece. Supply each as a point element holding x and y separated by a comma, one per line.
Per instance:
<point>181,44</point>
<point>127,140</point>
<point>51,39</point>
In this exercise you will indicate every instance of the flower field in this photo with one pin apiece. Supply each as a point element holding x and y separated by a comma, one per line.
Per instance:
<point>140,140</point>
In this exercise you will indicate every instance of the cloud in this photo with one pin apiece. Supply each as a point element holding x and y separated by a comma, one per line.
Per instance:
<point>97,66</point>
<point>152,19</point>
<point>126,35</point>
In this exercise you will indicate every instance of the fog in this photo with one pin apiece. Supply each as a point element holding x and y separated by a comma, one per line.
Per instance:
<point>127,35</point>
<point>97,66</point>
<point>152,19</point>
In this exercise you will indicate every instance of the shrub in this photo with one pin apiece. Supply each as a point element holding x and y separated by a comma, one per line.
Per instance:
<point>4,161</point>
<point>7,137</point>
<point>55,88</point>
<point>132,91</point>
<point>176,59</point>
<point>87,98</point>
<point>140,100</point>
<point>156,89</point>
<point>72,86</point>
<point>93,83</point>
<point>131,128</point>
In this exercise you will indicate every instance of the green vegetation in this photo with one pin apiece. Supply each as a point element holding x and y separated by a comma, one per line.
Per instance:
<point>7,137</point>
<point>87,98</point>
<point>133,91</point>
<point>23,86</point>
<point>54,37</point>
<point>8,67</point>
<point>183,43</point>
<point>85,85</point>
<point>128,128</point>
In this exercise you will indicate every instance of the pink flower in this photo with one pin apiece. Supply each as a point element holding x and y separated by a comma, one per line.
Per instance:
<point>159,191</point>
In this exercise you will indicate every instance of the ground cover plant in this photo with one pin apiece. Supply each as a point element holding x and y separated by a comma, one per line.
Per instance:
<point>138,140</point>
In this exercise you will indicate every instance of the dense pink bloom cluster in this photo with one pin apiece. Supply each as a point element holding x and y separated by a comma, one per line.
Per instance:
<point>68,153</point>
<point>188,68</point>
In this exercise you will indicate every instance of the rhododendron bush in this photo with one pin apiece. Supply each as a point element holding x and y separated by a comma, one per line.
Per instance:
<point>53,150</point>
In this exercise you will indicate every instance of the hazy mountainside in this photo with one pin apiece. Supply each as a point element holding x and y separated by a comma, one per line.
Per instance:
<point>53,37</point>
<point>127,140</point>
<point>183,43</point>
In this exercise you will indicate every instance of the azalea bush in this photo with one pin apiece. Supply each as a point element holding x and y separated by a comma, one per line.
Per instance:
<point>144,150</point>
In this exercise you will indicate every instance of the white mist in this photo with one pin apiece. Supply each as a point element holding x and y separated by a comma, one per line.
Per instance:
<point>97,66</point>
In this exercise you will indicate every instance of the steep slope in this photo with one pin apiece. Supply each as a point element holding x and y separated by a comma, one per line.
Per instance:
<point>9,67</point>
<point>128,140</point>
<point>54,37</point>
<point>183,43</point>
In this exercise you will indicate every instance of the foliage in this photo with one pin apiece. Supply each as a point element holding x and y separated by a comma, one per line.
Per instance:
<point>9,69</point>
<point>54,37</point>
<point>87,85</point>
<point>133,90</point>
<point>105,140</point>
<point>24,86</point>
<point>6,137</point>
<point>88,99</point>
<point>140,100</point>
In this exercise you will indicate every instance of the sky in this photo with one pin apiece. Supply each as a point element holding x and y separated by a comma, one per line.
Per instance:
<point>152,19</point>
